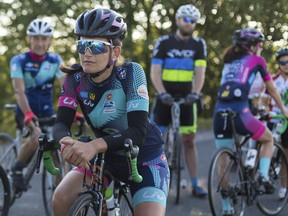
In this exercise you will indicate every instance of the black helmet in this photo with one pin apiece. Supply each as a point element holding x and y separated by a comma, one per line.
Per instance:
<point>247,37</point>
<point>281,52</point>
<point>101,22</point>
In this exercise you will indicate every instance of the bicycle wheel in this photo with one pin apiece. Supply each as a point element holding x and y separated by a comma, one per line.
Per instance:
<point>84,205</point>
<point>225,180</point>
<point>125,200</point>
<point>50,182</point>
<point>271,204</point>
<point>176,167</point>
<point>4,193</point>
<point>6,155</point>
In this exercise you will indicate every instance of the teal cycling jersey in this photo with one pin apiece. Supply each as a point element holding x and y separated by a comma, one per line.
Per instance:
<point>38,75</point>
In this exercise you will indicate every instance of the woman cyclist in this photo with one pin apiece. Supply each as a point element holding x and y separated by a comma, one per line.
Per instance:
<point>113,97</point>
<point>241,63</point>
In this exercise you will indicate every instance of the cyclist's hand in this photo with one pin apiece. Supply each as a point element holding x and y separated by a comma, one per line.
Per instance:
<point>191,98</point>
<point>166,98</point>
<point>29,117</point>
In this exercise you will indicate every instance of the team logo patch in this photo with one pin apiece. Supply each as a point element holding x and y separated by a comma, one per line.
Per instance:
<point>109,104</point>
<point>83,94</point>
<point>122,72</point>
<point>77,76</point>
<point>92,96</point>
<point>109,96</point>
<point>143,92</point>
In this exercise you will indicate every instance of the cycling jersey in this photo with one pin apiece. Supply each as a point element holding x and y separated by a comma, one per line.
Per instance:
<point>38,75</point>
<point>238,76</point>
<point>178,59</point>
<point>115,109</point>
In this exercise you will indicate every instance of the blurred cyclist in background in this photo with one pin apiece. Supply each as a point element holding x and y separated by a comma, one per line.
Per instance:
<point>33,74</point>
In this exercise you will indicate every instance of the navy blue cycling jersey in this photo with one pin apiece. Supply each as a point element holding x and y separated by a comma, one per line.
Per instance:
<point>38,76</point>
<point>178,59</point>
<point>107,106</point>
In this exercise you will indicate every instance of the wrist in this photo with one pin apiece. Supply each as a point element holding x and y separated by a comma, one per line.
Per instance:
<point>29,112</point>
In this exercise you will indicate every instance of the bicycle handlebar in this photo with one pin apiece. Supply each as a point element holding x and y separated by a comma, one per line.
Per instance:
<point>45,149</point>
<point>132,152</point>
<point>284,120</point>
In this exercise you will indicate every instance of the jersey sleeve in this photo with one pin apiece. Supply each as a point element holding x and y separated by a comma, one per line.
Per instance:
<point>59,73</point>
<point>201,54</point>
<point>159,52</point>
<point>15,67</point>
<point>137,93</point>
<point>264,70</point>
<point>68,96</point>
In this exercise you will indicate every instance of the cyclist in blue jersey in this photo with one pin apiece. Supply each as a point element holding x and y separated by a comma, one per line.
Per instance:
<point>178,70</point>
<point>33,74</point>
<point>242,61</point>
<point>113,97</point>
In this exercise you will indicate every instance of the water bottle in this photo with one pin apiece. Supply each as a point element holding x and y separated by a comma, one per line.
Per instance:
<point>251,158</point>
<point>110,202</point>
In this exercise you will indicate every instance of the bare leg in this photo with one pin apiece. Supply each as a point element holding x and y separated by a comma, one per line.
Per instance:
<point>149,209</point>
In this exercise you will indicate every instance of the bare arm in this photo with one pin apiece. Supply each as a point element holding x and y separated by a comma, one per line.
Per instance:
<point>155,76</point>
<point>19,89</point>
<point>199,79</point>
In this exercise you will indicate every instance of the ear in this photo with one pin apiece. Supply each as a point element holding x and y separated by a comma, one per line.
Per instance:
<point>116,52</point>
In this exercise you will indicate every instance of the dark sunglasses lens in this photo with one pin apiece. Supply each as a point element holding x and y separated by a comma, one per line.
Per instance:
<point>283,62</point>
<point>189,19</point>
<point>96,47</point>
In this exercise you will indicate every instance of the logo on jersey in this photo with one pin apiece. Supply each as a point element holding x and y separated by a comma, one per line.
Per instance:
<point>70,102</point>
<point>89,103</point>
<point>175,53</point>
<point>77,76</point>
<point>109,96</point>
<point>143,92</point>
<point>109,104</point>
<point>122,72</point>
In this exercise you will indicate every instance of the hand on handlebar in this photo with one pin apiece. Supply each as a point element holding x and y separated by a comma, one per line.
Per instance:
<point>29,117</point>
<point>78,118</point>
<point>191,98</point>
<point>166,98</point>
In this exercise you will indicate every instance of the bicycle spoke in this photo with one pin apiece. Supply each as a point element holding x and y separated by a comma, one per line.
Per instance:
<point>271,204</point>
<point>225,182</point>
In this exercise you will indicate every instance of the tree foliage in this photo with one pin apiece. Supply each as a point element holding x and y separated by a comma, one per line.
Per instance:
<point>147,20</point>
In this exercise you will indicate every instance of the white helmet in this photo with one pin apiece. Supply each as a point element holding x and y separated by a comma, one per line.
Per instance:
<point>189,11</point>
<point>39,27</point>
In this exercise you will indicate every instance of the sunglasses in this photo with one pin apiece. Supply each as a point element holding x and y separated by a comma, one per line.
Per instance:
<point>189,20</point>
<point>283,63</point>
<point>95,46</point>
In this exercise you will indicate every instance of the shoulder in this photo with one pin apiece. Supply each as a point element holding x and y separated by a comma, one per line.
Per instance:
<point>19,58</point>
<point>129,69</point>
<point>76,74</point>
<point>53,57</point>
<point>163,39</point>
<point>199,40</point>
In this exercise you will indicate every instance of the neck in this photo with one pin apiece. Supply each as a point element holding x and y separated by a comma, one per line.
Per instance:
<point>36,57</point>
<point>181,36</point>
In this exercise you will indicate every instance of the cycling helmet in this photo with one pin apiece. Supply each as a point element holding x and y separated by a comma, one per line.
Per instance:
<point>281,52</point>
<point>247,37</point>
<point>189,11</point>
<point>101,22</point>
<point>39,27</point>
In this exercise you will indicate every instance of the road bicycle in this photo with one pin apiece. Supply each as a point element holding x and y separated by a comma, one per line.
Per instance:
<point>231,178</point>
<point>4,193</point>
<point>93,200</point>
<point>9,148</point>
<point>173,148</point>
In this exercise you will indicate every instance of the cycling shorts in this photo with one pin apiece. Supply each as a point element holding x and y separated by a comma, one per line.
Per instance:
<point>245,122</point>
<point>155,173</point>
<point>188,116</point>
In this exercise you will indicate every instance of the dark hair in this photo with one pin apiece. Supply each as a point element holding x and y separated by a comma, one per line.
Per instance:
<point>233,52</point>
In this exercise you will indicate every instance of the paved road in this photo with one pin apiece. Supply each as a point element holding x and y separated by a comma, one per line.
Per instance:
<point>30,204</point>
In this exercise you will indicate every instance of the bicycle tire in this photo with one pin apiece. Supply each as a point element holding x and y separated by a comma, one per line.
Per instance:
<point>169,152</point>
<point>6,141</point>
<point>270,204</point>
<point>84,205</point>
<point>4,193</point>
<point>228,183</point>
<point>125,200</point>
